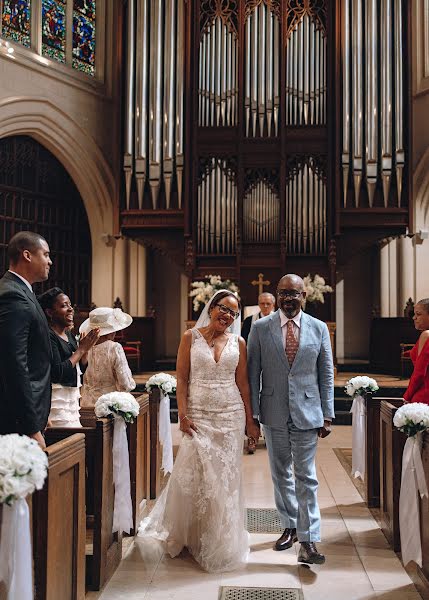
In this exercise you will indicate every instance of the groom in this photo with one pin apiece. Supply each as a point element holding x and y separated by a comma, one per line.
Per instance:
<point>291,377</point>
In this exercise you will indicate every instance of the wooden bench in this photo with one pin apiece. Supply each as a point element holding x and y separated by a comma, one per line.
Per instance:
<point>58,516</point>
<point>392,442</point>
<point>138,434</point>
<point>103,548</point>
<point>372,476</point>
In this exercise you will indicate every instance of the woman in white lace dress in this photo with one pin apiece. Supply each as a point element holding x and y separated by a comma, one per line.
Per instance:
<point>202,506</point>
<point>108,369</point>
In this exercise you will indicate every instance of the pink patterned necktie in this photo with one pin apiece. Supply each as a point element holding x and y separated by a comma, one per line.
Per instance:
<point>291,343</point>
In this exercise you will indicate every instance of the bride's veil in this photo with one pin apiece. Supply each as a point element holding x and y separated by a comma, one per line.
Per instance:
<point>204,318</point>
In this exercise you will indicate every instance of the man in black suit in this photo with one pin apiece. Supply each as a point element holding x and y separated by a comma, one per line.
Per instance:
<point>266,303</point>
<point>25,349</point>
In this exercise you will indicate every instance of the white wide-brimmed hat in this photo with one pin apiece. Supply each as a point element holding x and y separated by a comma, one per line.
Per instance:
<point>107,320</point>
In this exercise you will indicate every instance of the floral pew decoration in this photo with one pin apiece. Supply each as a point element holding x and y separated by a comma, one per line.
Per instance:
<point>357,387</point>
<point>123,408</point>
<point>23,469</point>
<point>166,384</point>
<point>413,420</point>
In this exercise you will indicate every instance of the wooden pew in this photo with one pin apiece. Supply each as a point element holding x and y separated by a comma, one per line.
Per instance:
<point>392,442</point>
<point>103,548</point>
<point>372,476</point>
<point>156,476</point>
<point>59,523</point>
<point>138,434</point>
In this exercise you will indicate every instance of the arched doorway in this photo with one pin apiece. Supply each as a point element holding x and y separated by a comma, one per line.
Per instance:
<point>37,193</point>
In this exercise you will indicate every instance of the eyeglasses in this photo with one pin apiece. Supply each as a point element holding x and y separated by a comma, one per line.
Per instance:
<point>288,293</point>
<point>228,311</point>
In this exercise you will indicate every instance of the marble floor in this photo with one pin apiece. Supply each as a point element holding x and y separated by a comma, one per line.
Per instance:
<point>359,562</point>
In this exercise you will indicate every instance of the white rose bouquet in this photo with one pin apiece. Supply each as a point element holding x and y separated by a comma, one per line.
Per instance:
<point>23,467</point>
<point>203,290</point>
<point>356,386</point>
<point>315,288</point>
<point>165,382</point>
<point>117,403</point>
<point>412,418</point>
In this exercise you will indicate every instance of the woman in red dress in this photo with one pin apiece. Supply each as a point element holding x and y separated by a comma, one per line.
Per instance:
<point>418,388</point>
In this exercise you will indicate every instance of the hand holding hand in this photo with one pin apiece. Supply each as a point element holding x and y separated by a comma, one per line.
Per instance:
<point>253,430</point>
<point>187,426</point>
<point>325,430</point>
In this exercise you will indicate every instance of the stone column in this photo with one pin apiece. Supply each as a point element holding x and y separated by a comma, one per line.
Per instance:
<point>406,270</point>
<point>384,280</point>
<point>393,278</point>
<point>120,273</point>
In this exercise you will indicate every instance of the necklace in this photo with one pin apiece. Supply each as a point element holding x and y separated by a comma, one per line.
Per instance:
<point>211,343</point>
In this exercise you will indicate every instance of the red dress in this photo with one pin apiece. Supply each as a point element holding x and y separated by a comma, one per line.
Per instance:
<point>418,388</point>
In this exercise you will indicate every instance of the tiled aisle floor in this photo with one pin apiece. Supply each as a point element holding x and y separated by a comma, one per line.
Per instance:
<point>359,566</point>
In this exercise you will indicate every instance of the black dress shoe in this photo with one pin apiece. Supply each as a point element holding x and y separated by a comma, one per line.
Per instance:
<point>308,554</point>
<point>287,539</point>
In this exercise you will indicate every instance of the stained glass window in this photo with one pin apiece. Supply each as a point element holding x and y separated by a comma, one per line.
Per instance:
<point>84,35</point>
<point>16,21</point>
<point>54,29</point>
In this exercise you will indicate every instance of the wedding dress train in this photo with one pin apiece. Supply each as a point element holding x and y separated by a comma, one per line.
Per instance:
<point>202,506</point>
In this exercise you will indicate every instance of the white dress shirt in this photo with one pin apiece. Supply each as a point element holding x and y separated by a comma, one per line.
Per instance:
<point>296,326</point>
<point>27,283</point>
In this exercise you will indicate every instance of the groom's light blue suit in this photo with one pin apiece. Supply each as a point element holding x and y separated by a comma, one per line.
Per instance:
<point>292,403</point>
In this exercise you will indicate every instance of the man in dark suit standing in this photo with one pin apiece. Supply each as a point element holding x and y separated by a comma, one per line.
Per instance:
<point>25,350</point>
<point>267,304</point>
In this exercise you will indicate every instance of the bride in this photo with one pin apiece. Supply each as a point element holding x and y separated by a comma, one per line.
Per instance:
<point>202,506</point>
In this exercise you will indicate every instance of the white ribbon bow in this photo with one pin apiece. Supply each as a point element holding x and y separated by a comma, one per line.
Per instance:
<point>122,510</point>
<point>16,562</point>
<point>413,482</point>
<point>358,411</point>
<point>164,432</point>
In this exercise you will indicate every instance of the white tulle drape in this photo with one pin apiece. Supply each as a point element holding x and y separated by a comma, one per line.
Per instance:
<point>164,432</point>
<point>16,561</point>
<point>413,483</point>
<point>358,411</point>
<point>122,511</point>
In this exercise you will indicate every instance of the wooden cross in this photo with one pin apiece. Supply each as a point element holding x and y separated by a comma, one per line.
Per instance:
<point>260,282</point>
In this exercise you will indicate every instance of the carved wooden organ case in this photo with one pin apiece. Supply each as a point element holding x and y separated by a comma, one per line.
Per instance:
<point>257,130</point>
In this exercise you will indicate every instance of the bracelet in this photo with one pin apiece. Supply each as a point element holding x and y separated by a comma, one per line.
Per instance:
<point>183,418</point>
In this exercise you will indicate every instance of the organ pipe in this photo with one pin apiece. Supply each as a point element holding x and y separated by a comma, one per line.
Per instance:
<point>217,209</point>
<point>154,100</point>
<point>261,211</point>
<point>373,110</point>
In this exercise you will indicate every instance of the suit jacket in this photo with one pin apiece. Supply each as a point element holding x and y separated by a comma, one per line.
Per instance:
<point>25,359</point>
<point>247,326</point>
<point>62,371</point>
<point>305,391</point>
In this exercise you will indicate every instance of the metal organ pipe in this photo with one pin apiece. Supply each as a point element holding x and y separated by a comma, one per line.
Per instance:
<point>129,117</point>
<point>400,154</point>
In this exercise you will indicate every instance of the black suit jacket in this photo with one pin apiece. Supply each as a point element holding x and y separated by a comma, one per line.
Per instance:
<point>25,359</point>
<point>247,326</point>
<point>62,371</point>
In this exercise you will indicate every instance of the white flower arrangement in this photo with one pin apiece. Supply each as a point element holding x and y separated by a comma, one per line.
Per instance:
<point>203,290</point>
<point>117,403</point>
<point>23,467</point>
<point>165,382</point>
<point>316,288</point>
<point>356,386</point>
<point>412,418</point>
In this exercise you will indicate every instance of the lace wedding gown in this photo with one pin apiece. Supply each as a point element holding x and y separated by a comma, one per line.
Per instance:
<point>202,506</point>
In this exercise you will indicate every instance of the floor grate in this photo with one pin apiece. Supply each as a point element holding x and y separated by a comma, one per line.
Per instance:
<point>253,593</point>
<point>263,520</point>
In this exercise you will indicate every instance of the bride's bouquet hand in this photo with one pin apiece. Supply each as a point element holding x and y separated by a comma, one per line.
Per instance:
<point>187,426</point>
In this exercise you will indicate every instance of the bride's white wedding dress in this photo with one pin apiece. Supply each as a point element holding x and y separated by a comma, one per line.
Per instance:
<point>202,506</point>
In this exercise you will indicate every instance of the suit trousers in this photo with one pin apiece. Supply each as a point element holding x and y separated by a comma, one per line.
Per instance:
<point>292,454</point>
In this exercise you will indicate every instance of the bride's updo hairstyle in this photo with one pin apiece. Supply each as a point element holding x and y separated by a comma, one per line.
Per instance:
<point>220,296</point>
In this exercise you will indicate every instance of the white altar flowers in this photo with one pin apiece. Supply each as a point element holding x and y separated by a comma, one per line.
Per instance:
<point>315,288</point>
<point>413,420</point>
<point>122,404</point>
<point>123,407</point>
<point>357,387</point>
<point>23,469</point>
<point>203,290</point>
<point>166,384</point>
